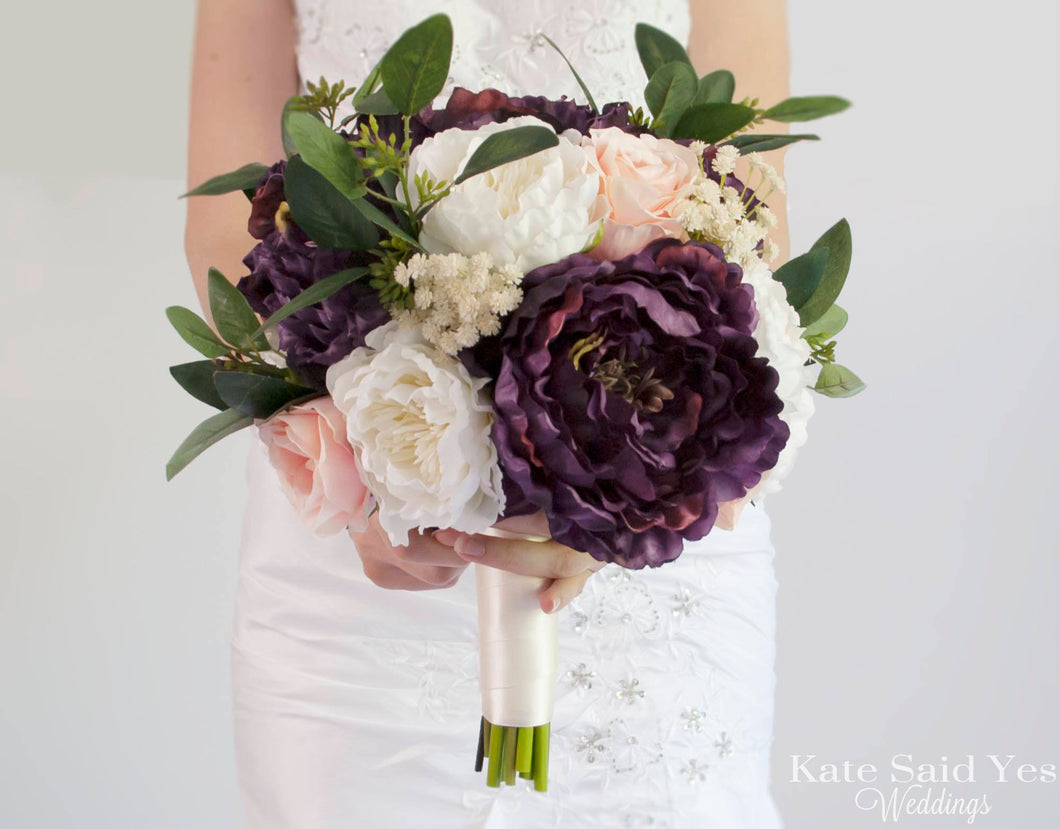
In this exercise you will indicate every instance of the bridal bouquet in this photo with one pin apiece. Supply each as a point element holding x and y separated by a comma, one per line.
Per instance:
<point>518,305</point>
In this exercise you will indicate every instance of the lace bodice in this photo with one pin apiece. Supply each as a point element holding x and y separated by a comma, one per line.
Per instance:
<point>497,43</point>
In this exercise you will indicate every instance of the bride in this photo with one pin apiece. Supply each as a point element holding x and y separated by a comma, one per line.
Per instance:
<point>354,662</point>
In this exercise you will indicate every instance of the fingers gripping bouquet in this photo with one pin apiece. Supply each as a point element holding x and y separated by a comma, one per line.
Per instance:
<point>517,305</point>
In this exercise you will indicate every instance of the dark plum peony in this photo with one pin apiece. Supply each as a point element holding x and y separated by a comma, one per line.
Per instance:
<point>283,265</point>
<point>266,201</point>
<point>469,110</point>
<point>630,402</point>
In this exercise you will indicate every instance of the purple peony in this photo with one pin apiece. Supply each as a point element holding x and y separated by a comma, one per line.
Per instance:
<point>283,265</point>
<point>629,401</point>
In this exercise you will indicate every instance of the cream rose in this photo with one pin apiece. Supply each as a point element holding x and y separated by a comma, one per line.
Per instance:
<point>527,213</point>
<point>317,469</point>
<point>420,425</point>
<point>642,181</point>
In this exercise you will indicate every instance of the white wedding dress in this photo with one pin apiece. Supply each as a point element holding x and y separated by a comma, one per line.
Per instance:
<point>357,706</point>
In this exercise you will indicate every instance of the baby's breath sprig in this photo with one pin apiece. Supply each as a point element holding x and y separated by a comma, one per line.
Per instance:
<point>325,98</point>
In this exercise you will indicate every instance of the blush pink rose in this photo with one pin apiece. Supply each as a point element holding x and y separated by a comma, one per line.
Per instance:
<point>308,448</point>
<point>642,178</point>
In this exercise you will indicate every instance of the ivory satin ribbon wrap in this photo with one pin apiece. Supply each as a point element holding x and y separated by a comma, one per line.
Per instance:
<point>518,646</point>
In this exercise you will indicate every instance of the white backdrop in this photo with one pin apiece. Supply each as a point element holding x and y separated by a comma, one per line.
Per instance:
<point>917,541</point>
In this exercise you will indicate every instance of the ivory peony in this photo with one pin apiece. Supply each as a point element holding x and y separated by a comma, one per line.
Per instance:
<point>420,425</point>
<point>779,338</point>
<point>527,213</point>
<point>317,469</point>
<point>642,181</point>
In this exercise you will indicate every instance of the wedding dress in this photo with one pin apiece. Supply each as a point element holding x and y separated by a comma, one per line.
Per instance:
<point>357,706</point>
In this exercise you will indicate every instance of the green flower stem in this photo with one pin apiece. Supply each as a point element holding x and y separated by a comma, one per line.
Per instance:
<point>480,752</point>
<point>511,735</point>
<point>540,762</point>
<point>524,752</point>
<point>493,770</point>
<point>487,730</point>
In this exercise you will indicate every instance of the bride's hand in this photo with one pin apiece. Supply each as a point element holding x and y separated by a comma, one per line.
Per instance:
<point>422,564</point>
<point>569,569</point>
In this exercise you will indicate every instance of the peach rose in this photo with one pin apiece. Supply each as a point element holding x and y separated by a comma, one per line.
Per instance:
<point>642,180</point>
<point>307,446</point>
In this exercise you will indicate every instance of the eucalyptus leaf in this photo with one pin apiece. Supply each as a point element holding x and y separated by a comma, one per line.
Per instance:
<point>232,314</point>
<point>585,90</point>
<point>838,381</point>
<point>836,240</point>
<point>328,216</point>
<point>806,108</point>
<point>257,395</point>
<point>317,292</point>
<point>205,435</point>
<point>507,146</point>
<point>713,122</point>
<point>656,48</point>
<point>197,380</point>
<point>801,276</point>
<point>715,87</point>
<point>830,323</point>
<point>293,104</point>
<point>196,332</point>
<point>668,94</point>
<point>414,70</point>
<point>380,219</point>
<point>245,178</point>
<point>371,83</point>
<point>761,143</point>
<point>378,103</point>
<point>327,152</point>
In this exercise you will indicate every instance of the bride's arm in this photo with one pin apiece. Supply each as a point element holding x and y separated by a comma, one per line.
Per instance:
<point>750,39</point>
<point>242,73</point>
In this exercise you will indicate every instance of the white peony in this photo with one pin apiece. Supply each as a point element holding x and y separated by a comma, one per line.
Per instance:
<point>527,213</point>
<point>421,427</point>
<point>780,340</point>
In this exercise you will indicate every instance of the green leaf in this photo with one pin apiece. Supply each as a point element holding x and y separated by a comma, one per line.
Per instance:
<point>715,87</point>
<point>317,292</point>
<point>836,240</point>
<point>327,152</point>
<point>713,122</point>
<point>205,435</point>
<point>830,323</point>
<point>656,49</point>
<point>196,332</point>
<point>801,276</point>
<point>761,143</point>
<point>838,381</point>
<point>328,216</point>
<point>507,146</point>
<point>585,90</point>
<point>668,94</point>
<point>245,178</point>
<point>380,219</point>
<point>370,85</point>
<point>293,104</point>
<point>378,103</point>
<point>257,395</point>
<point>416,67</point>
<point>807,108</point>
<point>197,380</point>
<point>232,314</point>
